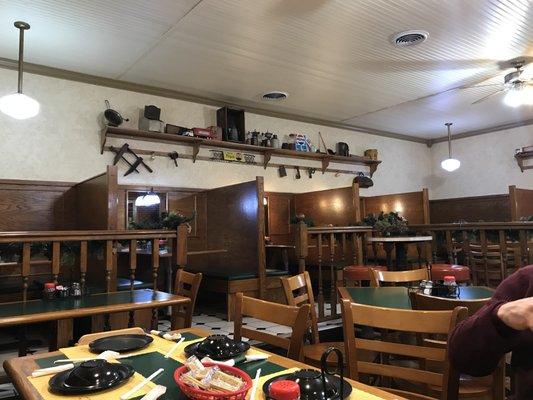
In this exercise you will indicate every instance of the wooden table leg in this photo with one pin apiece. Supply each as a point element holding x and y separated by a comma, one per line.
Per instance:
<point>63,329</point>
<point>387,246</point>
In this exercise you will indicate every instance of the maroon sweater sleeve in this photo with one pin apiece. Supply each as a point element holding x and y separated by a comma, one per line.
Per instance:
<point>478,343</point>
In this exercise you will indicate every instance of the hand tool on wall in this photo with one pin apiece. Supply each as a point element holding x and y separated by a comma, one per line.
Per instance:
<point>120,154</point>
<point>174,157</point>
<point>298,176</point>
<point>311,171</point>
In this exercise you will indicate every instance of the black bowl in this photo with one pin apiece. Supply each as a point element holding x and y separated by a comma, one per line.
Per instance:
<point>217,347</point>
<point>311,386</point>
<point>90,376</point>
<point>120,343</point>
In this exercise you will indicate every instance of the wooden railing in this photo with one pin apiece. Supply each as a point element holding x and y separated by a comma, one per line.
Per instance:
<point>335,247</point>
<point>454,238</point>
<point>110,238</point>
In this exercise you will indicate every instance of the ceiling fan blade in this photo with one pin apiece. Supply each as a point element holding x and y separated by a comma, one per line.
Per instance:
<point>478,86</point>
<point>487,96</point>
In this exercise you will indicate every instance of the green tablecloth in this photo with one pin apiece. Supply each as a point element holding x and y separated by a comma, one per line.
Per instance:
<point>398,297</point>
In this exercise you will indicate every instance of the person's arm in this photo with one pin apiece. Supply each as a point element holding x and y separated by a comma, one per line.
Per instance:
<point>478,343</point>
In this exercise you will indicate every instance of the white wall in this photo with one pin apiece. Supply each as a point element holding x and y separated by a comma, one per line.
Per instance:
<point>62,143</point>
<point>488,165</point>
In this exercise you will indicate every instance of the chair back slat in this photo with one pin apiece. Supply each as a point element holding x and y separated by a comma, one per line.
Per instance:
<point>394,277</point>
<point>393,371</point>
<point>186,284</point>
<point>301,284</point>
<point>421,301</point>
<point>424,323</point>
<point>291,316</point>
<point>428,353</point>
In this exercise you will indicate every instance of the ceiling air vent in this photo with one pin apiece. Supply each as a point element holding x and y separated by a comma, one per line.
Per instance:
<point>409,38</point>
<point>275,95</point>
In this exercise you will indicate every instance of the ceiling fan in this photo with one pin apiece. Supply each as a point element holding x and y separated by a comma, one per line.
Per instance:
<point>519,90</point>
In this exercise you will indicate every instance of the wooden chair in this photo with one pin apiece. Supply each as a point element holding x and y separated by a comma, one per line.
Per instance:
<point>186,284</point>
<point>298,291</point>
<point>492,387</point>
<point>86,339</point>
<point>294,317</point>
<point>492,263</point>
<point>395,277</point>
<point>419,322</point>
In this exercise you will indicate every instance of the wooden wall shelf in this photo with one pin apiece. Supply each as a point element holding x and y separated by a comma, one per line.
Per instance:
<point>523,156</point>
<point>266,152</point>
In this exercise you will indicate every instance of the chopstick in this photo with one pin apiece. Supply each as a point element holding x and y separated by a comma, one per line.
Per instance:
<point>140,385</point>
<point>256,381</point>
<point>173,348</point>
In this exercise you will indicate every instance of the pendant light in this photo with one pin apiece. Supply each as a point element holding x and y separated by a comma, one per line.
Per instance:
<point>147,200</point>
<point>18,105</point>
<point>450,164</point>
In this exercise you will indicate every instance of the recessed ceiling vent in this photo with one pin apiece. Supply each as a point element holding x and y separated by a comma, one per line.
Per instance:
<point>275,95</point>
<point>409,38</point>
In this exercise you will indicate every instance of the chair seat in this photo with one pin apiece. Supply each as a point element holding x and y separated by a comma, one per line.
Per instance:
<point>460,272</point>
<point>360,272</point>
<point>313,352</point>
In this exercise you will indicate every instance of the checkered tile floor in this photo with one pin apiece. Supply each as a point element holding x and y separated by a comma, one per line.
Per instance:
<point>215,321</point>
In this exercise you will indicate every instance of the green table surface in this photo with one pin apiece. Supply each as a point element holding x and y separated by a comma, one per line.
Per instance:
<point>398,297</point>
<point>41,310</point>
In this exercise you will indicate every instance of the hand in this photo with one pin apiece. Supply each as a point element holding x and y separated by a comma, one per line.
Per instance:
<point>517,314</point>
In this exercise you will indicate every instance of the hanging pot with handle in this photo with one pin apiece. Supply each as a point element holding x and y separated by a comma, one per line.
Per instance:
<point>112,117</point>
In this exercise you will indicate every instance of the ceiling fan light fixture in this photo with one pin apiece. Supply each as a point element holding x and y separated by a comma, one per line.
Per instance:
<point>18,105</point>
<point>450,164</point>
<point>519,95</point>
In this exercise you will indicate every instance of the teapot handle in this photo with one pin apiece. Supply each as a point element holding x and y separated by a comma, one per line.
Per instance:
<point>325,370</point>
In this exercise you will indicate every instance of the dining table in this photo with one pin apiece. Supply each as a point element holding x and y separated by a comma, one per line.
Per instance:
<point>398,296</point>
<point>62,311</point>
<point>150,359</point>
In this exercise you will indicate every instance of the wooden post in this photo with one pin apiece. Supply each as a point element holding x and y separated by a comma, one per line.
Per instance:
<point>83,264</point>
<point>359,212</point>
<point>301,245</point>
<point>512,203</point>
<point>261,252</point>
<point>133,267</point>
<point>108,269</point>
<point>425,206</point>
<point>155,269</point>
<point>56,259</point>
<point>181,246</point>
<point>320,283</point>
<point>26,257</point>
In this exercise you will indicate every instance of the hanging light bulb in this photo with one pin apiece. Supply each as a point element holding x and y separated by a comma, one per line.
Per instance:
<point>18,105</point>
<point>450,164</point>
<point>147,200</point>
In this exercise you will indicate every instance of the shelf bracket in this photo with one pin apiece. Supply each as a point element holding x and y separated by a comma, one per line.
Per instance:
<point>195,151</point>
<point>325,165</point>
<point>373,168</point>
<point>266,159</point>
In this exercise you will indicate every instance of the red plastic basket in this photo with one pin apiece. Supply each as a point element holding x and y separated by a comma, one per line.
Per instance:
<point>200,394</point>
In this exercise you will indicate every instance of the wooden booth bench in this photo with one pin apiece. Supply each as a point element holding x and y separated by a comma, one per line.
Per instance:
<point>230,283</point>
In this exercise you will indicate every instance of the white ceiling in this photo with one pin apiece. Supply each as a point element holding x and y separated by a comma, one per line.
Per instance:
<point>332,56</point>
